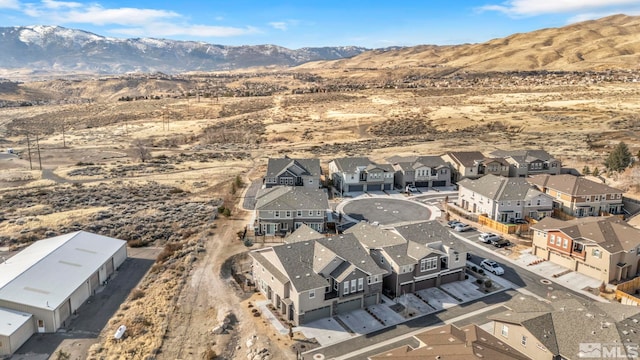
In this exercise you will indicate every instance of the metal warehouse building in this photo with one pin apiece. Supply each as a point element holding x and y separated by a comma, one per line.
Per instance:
<point>51,279</point>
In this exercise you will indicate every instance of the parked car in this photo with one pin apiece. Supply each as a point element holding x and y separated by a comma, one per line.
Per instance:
<point>412,189</point>
<point>492,266</point>
<point>501,243</point>
<point>518,221</point>
<point>453,223</point>
<point>488,237</point>
<point>462,227</point>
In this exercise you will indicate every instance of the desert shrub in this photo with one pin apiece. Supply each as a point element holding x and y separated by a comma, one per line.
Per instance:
<point>137,294</point>
<point>137,243</point>
<point>478,281</point>
<point>480,271</point>
<point>226,212</point>
<point>210,354</point>
<point>168,251</point>
<point>488,283</point>
<point>474,269</point>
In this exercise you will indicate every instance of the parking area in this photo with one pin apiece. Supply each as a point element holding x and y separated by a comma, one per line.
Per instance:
<point>385,210</point>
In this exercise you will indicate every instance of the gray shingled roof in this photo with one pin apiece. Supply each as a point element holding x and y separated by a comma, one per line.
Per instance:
<point>291,198</point>
<point>349,248</point>
<point>466,158</point>
<point>399,254</point>
<point>308,166</point>
<point>500,188</point>
<point>303,233</point>
<point>567,323</point>
<point>269,266</point>
<point>297,260</point>
<point>414,162</point>
<point>351,164</point>
<point>524,155</point>
<point>374,237</point>
<point>573,185</point>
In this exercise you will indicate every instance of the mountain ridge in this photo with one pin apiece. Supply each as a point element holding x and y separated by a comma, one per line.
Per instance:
<point>56,48</point>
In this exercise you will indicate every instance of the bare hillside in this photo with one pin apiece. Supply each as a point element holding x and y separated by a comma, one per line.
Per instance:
<point>611,42</point>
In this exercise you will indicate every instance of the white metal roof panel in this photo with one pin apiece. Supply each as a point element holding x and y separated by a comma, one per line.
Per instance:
<point>46,276</point>
<point>12,320</point>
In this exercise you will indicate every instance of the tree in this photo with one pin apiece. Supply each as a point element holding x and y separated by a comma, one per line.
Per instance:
<point>141,150</point>
<point>595,172</point>
<point>586,170</point>
<point>619,158</point>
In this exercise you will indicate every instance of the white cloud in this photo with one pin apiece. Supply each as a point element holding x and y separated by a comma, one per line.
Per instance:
<point>52,4</point>
<point>97,15</point>
<point>598,15</point>
<point>280,25</point>
<point>539,7</point>
<point>168,29</point>
<point>9,4</point>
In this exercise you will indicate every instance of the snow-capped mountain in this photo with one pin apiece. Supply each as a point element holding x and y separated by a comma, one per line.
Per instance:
<point>54,48</point>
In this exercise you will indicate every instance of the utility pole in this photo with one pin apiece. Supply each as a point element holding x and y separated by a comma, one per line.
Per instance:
<point>29,151</point>
<point>64,142</point>
<point>39,158</point>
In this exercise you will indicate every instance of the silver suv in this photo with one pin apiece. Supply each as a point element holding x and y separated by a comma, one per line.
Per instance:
<point>488,237</point>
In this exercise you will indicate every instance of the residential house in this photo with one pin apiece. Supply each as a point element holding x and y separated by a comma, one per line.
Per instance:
<point>568,329</point>
<point>605,248</point>
<point>420,171</point>
<point>314,279</point>
<point>503,199</point>
<point>293,172</point>
<point>523,163</point>
<point>453,343</point>
<point>416,256</point>
<point>357,174</point>
<point>282,209</point>
<point>473,165</point>
<point>578,196</point>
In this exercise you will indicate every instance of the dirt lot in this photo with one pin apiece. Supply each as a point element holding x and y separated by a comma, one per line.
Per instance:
<point>157,172</point>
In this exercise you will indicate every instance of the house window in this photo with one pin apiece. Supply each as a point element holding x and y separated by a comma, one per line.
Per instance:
<point>552,239</point>
<point>588,198</point>
<point>346,287</point>
<point>276,213</point>
<point>336,285</point>
<point>428,264</point>
<point>319,212</point>
<point>284,226</point>
<point>360,284</point>
<point>312,294</point>
<point>288,213</point>
<point>538,201</point>
<point>299,213</point>
<point>596,253</point>
<point>457,257</point>
<point>310,212</point>
<point>368,280</point>
<point>523,341</point>
<point>566,243</point>
<point>505,331</point>
<point>353,285</point>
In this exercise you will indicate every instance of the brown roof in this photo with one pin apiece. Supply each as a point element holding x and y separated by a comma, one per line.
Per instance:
<point>466,158</point>
<point>611,233</point>
<point>449,342</point>
<point>574,185</point>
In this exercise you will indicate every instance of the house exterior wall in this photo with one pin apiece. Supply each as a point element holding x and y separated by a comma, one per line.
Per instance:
<point>46,315</point>
<point>580,206</point>
<point>286,220</point>
<point>593,261</point>
<point>532,348</point>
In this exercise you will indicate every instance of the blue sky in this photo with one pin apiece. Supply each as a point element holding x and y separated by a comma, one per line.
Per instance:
<point>302,23</point>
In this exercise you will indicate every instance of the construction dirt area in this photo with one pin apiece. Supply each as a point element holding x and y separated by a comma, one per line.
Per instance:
<point>169,171</point>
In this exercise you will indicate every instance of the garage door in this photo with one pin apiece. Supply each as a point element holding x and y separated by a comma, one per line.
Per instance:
<point>439,183</point>
<point>562,260</point>
<point>355,188</point>
<point>317,314</point>
<point>388,186</point>
<point>370,300</point>
<point>450,278</point>
<point>425,284</point>
<point>94,282</point>
<point>350,305</point>
<point>422,184</point>
<point>374,187</point>
<point>589,271</point>
<point>406,289</point>
<point>110,267</point>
